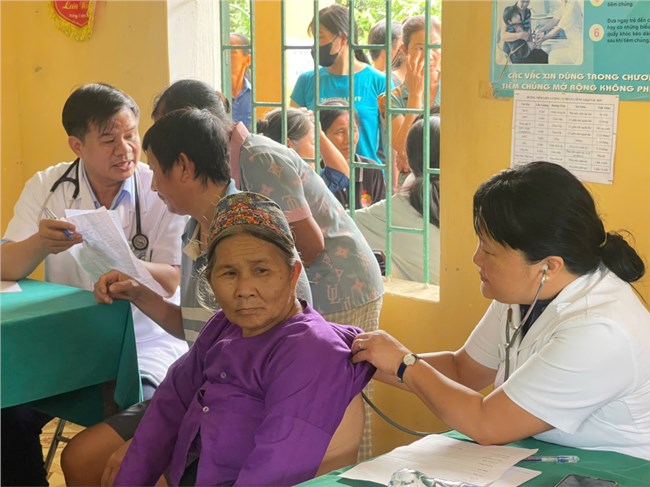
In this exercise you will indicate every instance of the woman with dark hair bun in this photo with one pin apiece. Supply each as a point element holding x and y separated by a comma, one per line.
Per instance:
<point>565,340</point>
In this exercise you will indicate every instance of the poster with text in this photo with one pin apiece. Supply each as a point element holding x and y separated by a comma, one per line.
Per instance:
<point>576,46</point>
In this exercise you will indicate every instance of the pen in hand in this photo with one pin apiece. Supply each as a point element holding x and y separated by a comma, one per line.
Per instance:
<point>553,459</point>
<point>49,214</point>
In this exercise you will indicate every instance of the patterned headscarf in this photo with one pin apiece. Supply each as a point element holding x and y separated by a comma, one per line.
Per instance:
<point>248,209</point>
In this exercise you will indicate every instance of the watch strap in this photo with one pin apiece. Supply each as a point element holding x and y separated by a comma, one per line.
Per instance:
<point>402,367</point>
<point>400,371</point>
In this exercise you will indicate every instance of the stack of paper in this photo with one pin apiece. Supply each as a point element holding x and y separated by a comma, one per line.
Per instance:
<point>449,459</point>
<point>105,248</point>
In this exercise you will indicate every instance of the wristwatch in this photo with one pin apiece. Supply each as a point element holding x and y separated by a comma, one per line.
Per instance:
<point>409,359</point>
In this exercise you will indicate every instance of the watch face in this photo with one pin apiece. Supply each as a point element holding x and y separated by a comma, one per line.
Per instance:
<point>409,359</point>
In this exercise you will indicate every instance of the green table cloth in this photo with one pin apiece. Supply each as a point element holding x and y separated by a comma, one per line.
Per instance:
<point>627,471</point>
<point>65,354</point>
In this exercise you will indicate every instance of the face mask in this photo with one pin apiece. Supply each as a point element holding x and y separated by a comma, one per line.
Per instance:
<point>325,59</point>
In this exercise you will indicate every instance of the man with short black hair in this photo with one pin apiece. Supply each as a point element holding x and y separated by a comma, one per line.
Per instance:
<point>102,126</point>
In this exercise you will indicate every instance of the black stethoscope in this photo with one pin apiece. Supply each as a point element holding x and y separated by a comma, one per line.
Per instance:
<point>510,340</point>
<point>139,242</point>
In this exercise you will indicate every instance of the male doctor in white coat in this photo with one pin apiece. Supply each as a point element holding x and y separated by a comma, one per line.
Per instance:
<point>102,126</point>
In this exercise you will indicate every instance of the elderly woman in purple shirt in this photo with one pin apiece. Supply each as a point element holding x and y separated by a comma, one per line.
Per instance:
<point>259,396</point>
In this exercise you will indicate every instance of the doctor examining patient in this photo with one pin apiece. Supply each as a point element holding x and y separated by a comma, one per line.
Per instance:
<point>561,342</point>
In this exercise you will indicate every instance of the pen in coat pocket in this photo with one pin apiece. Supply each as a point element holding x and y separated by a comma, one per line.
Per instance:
<point>52,216</point>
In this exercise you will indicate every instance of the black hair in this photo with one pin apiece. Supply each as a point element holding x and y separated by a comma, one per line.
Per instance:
<point>199,134</point>
<point>415,24</point>
<point>329,115</point>
<point>336,19</point>
<point>94,104</point>
<point>188,93</point>
<point>377,35</point>
<point>542,209</point>
<point>298,124</point>
<point>509,12</point>
<point>244,41</point>
<point>415,153</point>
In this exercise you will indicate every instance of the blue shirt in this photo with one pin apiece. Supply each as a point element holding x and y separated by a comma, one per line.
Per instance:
<point>368,85</point>
<point>126,191</point>
<point>242,105</point>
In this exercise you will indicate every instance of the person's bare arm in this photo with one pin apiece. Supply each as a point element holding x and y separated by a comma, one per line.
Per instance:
<point>487,420</point>
<point>117,285</point>
<point>554,27</point>
<point>457,366</point>
<point>309,239</point>
<point>168,276</point>
<point>513,36</point>
<point>19,259</point>
<point>331,155</point>
<point>414,82</point>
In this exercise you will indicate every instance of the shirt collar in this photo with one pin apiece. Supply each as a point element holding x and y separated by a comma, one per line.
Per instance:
<point>245,89</point>
<point>126,193</point>
<point>193,249</point>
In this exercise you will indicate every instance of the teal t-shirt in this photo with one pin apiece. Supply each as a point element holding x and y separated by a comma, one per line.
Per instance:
<point>368,85</point>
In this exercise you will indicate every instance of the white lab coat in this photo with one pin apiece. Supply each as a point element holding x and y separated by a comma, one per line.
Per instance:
<point>569,51</point>
<point>157,349</point>
<point>583,367</point>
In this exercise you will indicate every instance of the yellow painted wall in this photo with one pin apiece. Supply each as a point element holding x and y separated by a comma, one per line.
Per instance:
<point>41,67</point>
<point>475,144</point>
<point>268,54</point>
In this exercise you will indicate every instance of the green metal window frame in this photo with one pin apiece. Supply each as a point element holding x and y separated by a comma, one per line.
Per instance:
<point>390,111</point>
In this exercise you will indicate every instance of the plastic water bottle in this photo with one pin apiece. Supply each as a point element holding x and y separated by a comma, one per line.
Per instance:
<point>407,477</point>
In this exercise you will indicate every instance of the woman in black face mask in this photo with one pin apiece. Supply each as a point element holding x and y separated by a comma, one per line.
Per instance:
<point>334,76</point>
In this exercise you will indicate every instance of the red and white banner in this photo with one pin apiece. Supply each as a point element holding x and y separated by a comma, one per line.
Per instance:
<point>74,18</point>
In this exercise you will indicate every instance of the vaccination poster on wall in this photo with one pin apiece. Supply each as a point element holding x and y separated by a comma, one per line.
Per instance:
<point>577,46</point>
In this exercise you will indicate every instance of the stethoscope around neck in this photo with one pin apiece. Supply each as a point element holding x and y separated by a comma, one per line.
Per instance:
<point>139,242</point>
<point>511,340</point>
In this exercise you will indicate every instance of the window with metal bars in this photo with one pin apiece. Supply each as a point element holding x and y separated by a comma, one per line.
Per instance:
<point>395,225</point>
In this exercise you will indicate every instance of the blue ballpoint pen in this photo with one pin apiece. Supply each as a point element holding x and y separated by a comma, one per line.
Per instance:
<point>553,459</point>
<point>50,214</point>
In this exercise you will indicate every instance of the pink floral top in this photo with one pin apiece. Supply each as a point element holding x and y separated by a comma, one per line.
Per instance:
<point>343,276</point>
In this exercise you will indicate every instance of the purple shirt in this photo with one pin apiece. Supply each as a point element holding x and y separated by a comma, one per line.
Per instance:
<point>266,406</point>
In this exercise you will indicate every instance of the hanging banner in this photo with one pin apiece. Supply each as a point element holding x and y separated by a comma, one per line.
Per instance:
<point>73,18</point>
<point>576,46</point>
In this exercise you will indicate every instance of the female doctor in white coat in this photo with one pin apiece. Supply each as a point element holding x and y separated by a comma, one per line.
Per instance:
<point>102,126</point>
<point>565,340</point>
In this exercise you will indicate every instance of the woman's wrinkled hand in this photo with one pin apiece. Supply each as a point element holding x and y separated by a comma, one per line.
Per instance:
<point>116,285</point>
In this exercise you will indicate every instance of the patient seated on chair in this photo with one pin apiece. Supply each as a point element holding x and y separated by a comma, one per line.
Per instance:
<point>259,396</point>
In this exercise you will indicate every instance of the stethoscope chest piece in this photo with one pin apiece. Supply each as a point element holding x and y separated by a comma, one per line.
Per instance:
<point>140,242</point>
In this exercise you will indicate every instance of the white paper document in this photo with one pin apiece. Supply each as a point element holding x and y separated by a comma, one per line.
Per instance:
<point>574,130</point>
<point>444,458</point>
<point>515,476</point>
<point>10,287</point>
<point>105,247</point>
